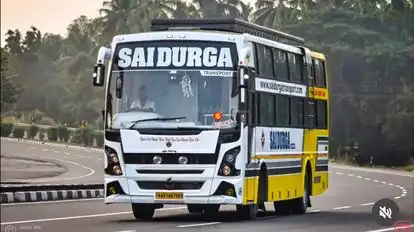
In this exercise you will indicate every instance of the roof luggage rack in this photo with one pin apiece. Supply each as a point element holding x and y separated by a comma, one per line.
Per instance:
<point>229,25</point>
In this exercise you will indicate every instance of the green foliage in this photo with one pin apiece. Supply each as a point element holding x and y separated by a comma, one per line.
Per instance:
<point>19,132</point>
<point>76,137</point>
<point>63,133</point>
<point>6,129</point>
<point>32,132</point>
<point>52,134</point>
<point>99,137</point>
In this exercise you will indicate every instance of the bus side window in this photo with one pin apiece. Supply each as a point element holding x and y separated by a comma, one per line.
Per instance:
<point>281,65</point>
<point>321,114</point>
<point>266,109</point>
<point>264,60</point>
<point>296,112</point>
<point>319,68</point>
<point>310,114</point>
<point>295,68</point>
<point>282,110</point>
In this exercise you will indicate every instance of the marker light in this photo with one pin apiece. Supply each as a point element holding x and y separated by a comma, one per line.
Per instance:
<point>218,116</point>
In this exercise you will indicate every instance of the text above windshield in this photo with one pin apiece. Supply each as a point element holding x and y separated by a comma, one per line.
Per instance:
<point>176,55</point>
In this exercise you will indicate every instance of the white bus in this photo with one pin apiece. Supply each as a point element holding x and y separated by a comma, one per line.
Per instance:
<point>186,120</point>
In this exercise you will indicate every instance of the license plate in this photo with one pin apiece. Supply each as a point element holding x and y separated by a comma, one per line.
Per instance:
<point>169,196</point>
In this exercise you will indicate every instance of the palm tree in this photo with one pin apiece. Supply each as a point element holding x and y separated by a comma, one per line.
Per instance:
<point>274,13</point>
<point>218,8</point>
<point>116,14</point>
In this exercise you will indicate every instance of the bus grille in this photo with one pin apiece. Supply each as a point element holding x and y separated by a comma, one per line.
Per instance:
<point>174,185</point>
<point>137,158</point>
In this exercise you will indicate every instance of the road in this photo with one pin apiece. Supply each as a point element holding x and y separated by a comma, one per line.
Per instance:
<point>346,206</point>
<point>72,166</point>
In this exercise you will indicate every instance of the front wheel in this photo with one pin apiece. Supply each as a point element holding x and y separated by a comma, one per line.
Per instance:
<point>143,211</point>
<point>194,208</point>
<point>247,212</point>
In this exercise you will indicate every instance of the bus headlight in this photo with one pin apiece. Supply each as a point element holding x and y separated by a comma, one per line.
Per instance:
<point>226,170</point>
<point>113,168</point>
<point>113,157</point>
<point>117,170</point>
<point>228,166</point>
<point>230,158</point>
<point>157,159</point>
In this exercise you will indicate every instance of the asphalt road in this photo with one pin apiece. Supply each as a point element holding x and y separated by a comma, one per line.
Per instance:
<point>73,166</point>
<point>346,206</point>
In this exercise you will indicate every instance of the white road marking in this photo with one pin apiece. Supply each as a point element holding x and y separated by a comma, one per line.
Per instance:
<point>342,207</point>
<point>81,216</point>
<point>367,178</point>
<point>56,151</point>
<point>127,231</point>
<point>398,197</point>
<point>359,177</point>
<point>91,171</point>
<point>350,174</point>
<point>366,204</point>
<point>45,150</point>
<point>390,184</point>
<point>315,211</point>
<point>199,224</point>
<point>66,153</point>
<point>392,228</point>
<point>383,182</point>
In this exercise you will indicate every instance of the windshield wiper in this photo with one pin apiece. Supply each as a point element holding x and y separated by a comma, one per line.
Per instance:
<point>154,119</point>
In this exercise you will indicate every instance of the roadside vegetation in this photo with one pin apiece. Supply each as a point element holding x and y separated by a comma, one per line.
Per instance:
<point>46,78</point>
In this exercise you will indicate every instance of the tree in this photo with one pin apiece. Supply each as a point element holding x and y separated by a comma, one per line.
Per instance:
<point>8,90</point>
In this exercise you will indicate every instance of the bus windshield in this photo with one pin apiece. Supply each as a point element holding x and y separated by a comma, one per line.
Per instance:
<point>157,79</point>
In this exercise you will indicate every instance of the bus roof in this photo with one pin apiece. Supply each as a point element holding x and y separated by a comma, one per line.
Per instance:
<point>229,25</point>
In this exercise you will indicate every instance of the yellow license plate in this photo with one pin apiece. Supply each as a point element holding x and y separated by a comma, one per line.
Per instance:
<point>169,196</point>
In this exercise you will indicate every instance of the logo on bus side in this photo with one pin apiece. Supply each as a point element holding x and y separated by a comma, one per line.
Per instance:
<point>281,140</point>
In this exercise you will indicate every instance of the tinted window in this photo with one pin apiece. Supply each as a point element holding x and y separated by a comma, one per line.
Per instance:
<point>266,109</point>
<point>264,59</point>
<point>296,112</point>
<point>295,67</point>
<point>319,73</point>
<point>321,114</point>
<point>281,65</point>
<point>310,114</point>
<point>282,111</point>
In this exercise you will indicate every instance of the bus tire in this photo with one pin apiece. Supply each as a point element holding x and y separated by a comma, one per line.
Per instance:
<point>282,207</point>
<point>300,205</point>
<point>211,210</point>
<point>247,212</point>
<point>195,208</point>
<point>143,211</point>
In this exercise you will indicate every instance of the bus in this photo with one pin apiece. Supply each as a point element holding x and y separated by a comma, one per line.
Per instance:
<point>211,112</point>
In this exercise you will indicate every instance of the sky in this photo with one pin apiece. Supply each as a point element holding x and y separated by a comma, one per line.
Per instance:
<point>51,16</point>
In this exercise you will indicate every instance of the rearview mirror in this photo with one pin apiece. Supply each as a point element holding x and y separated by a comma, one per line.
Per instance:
<point>98,75</point>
